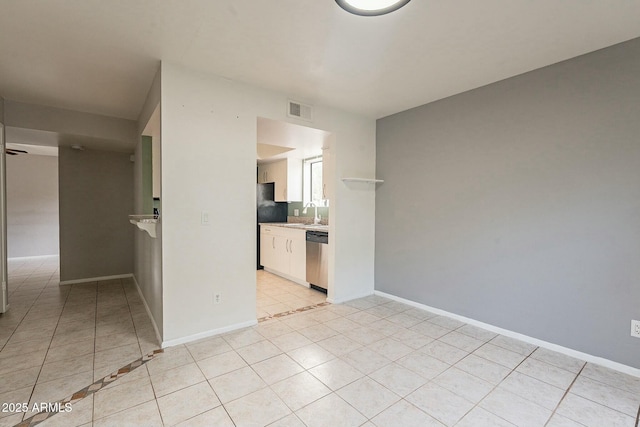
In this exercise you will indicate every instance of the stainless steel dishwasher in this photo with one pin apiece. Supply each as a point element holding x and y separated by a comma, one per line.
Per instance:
<point>318,259</point>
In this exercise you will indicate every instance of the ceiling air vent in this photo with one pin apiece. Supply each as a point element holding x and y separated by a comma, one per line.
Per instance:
<point>300,111</point>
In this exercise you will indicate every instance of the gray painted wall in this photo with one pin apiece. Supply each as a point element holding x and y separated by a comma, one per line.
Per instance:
<point>96,197</point>
<point>518,204</point>
<point>32,205</point>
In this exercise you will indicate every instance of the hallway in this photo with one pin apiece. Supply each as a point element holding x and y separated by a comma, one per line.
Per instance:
<point>56,340</point>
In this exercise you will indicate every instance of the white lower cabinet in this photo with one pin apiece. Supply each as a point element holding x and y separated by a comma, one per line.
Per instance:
<point>284,251</point>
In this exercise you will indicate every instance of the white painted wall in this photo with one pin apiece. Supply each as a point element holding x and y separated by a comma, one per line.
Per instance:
<point>208,164</point>
<point>30,116</point>
<point>147,250</point>
<point>4,294</point>
<point>32,206</point>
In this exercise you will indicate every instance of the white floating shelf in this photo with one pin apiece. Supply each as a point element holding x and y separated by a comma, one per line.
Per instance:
<point>369,180</point>
<point>145,223</point>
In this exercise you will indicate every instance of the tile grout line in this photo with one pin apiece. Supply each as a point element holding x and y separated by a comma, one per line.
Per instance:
<point>476,405</point>
<point>50,342</point>
<point>205,380</point>
<point>155,396</point>
<point>95,338</point>
<point>26,312</point>
<point>565,394</point>
<point>89,390</point>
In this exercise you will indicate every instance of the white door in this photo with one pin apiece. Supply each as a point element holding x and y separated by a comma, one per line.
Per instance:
<point>4,292</point>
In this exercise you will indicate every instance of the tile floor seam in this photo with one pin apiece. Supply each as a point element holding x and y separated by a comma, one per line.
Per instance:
<point>565,394</point>
<point>135,330</point>
<point>22,318</point>
<point>593,401</point>
<point>48,348</point>
<point>476,405</point>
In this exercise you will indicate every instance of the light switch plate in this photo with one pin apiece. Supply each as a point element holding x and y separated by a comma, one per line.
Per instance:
<point>204,218</point>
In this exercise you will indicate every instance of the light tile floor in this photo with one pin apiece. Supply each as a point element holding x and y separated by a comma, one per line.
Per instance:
<point>370,362</point>
<point>275,294</point>
<point>55,340</point>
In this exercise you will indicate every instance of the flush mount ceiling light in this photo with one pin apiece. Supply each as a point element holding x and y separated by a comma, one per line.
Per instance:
<point>371,7</point>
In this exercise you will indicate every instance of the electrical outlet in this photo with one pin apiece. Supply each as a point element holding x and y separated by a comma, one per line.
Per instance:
<point>635,328</point>
<point>217,298</point>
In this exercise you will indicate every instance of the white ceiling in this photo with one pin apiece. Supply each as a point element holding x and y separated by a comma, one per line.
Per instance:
<point>279,140</point>
<point>100,56</point>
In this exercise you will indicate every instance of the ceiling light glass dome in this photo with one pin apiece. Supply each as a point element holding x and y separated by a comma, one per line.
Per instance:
<point>371,7</point>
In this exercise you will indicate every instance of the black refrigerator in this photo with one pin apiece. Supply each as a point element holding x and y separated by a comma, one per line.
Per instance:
<point>268,209</point>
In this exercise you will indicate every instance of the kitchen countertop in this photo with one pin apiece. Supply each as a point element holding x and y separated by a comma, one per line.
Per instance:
<point>298,226</point>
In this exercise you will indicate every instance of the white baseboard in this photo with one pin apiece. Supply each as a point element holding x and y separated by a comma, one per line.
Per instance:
<point>95,279</point>
<point>146,307</point>
<point>349,298</point>
<point>511,334</point>
<point>209,333</point>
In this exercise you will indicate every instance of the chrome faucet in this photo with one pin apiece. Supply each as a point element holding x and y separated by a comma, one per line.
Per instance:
<point>316,218</point>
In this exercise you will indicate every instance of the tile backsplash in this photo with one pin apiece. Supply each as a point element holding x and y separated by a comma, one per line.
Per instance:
<point>323,211</point>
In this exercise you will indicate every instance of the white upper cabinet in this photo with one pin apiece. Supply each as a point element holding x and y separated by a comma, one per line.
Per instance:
<point>286,174</point>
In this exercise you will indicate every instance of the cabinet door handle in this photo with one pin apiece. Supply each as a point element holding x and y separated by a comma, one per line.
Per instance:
<point>273,242</point>
<point>324,191</point>
<point>291,246</point>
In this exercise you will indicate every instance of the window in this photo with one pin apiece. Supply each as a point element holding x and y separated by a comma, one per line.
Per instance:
<point>313,180</point>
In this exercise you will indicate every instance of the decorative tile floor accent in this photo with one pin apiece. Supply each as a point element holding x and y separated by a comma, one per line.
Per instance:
<point>275,294</point>
<point>56,338</point>
<point>297,310</point>
<point>89,390</point>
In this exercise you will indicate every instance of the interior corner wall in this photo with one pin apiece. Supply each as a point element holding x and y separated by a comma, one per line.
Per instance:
<point>32,205</point>
<point>209,135</point>
<point>96,197</point>
<point>147,250</point>
<point>517,204</point>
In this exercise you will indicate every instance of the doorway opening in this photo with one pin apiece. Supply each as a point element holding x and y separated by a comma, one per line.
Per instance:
<point>293,197</point>
<point>32,218</point>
